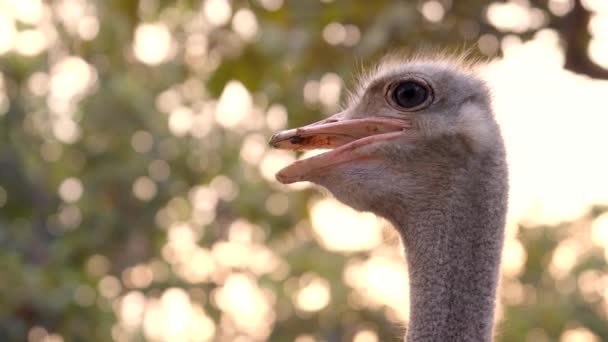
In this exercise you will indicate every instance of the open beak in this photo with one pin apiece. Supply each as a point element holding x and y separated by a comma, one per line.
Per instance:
<point>343,136</point>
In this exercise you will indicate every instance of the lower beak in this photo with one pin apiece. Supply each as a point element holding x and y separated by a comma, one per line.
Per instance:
<point>344,136</point>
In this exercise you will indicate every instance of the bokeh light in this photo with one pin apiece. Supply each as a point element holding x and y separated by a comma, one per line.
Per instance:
<point>152,43</point>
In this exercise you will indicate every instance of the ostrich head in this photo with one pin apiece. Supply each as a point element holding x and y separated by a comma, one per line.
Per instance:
<point>418,145</point>
<point>408,129</point>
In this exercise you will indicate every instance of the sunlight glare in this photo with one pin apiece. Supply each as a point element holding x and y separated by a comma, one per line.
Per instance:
<point>253,148</point>
<point>599,6</point>
<point>276,117</point>
<point>71,77</point>
<point>132,307</point>
<point>579,334</point>
<point>555,169</point>
<point>30,42</point>
<point>599,231</point>
<point>71,189</point>
<point>432,11</point>
<point>334,33</point>
<point>366,335</point>
<point>314,295</point>
<point>273,161</point>
<point>244,302</point>
<point>8,33</point>
<point>271,5</point>
<point>88,27</point>
<point>381,280</point>
<point>245,24</point>
<point>330,86</point>
<point>509,16</point>
<point>234,106</point>
<point>28,11</point>
<point>152,43</point>
<point>598,51</point>
<point>174,317</point>
<point>340,228</point>
<point>199,267</point>
<point>218,12</point>
<point>564,258</point>
<point>180,121</point>
<point>513,258</point>
<point>560,7</point>
<point>144,188</point>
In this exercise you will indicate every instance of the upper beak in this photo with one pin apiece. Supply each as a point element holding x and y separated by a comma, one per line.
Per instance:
<point>338,133</point>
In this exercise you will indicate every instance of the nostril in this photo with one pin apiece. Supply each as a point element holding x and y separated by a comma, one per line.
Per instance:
<point>296,140</point>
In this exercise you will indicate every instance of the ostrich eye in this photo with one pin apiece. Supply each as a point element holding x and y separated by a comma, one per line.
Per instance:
<point>409,94</point>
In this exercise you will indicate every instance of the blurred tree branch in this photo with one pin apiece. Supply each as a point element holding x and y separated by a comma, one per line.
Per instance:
<point>576,36</point>
<point>573,29</point>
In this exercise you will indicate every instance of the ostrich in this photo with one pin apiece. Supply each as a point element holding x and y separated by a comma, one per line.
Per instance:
<point>418,145</point>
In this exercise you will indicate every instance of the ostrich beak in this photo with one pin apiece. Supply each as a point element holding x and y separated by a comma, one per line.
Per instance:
<point>344,136</point>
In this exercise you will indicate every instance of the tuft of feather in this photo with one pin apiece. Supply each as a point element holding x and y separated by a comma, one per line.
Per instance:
<point>463,60</point>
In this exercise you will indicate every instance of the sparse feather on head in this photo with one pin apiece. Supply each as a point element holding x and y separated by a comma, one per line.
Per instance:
<point>462,59</point>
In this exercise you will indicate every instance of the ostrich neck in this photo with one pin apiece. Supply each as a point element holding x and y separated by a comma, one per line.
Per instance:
<point>453,250</point>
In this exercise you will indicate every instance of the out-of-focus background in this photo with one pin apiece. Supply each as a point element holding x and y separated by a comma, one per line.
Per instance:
<point>137,191</point>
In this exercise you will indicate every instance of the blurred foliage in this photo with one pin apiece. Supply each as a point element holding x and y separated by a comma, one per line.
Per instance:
<point>65,259</point>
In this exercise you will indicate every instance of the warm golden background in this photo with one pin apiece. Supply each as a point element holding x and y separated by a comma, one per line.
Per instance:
<point>137,192</point>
